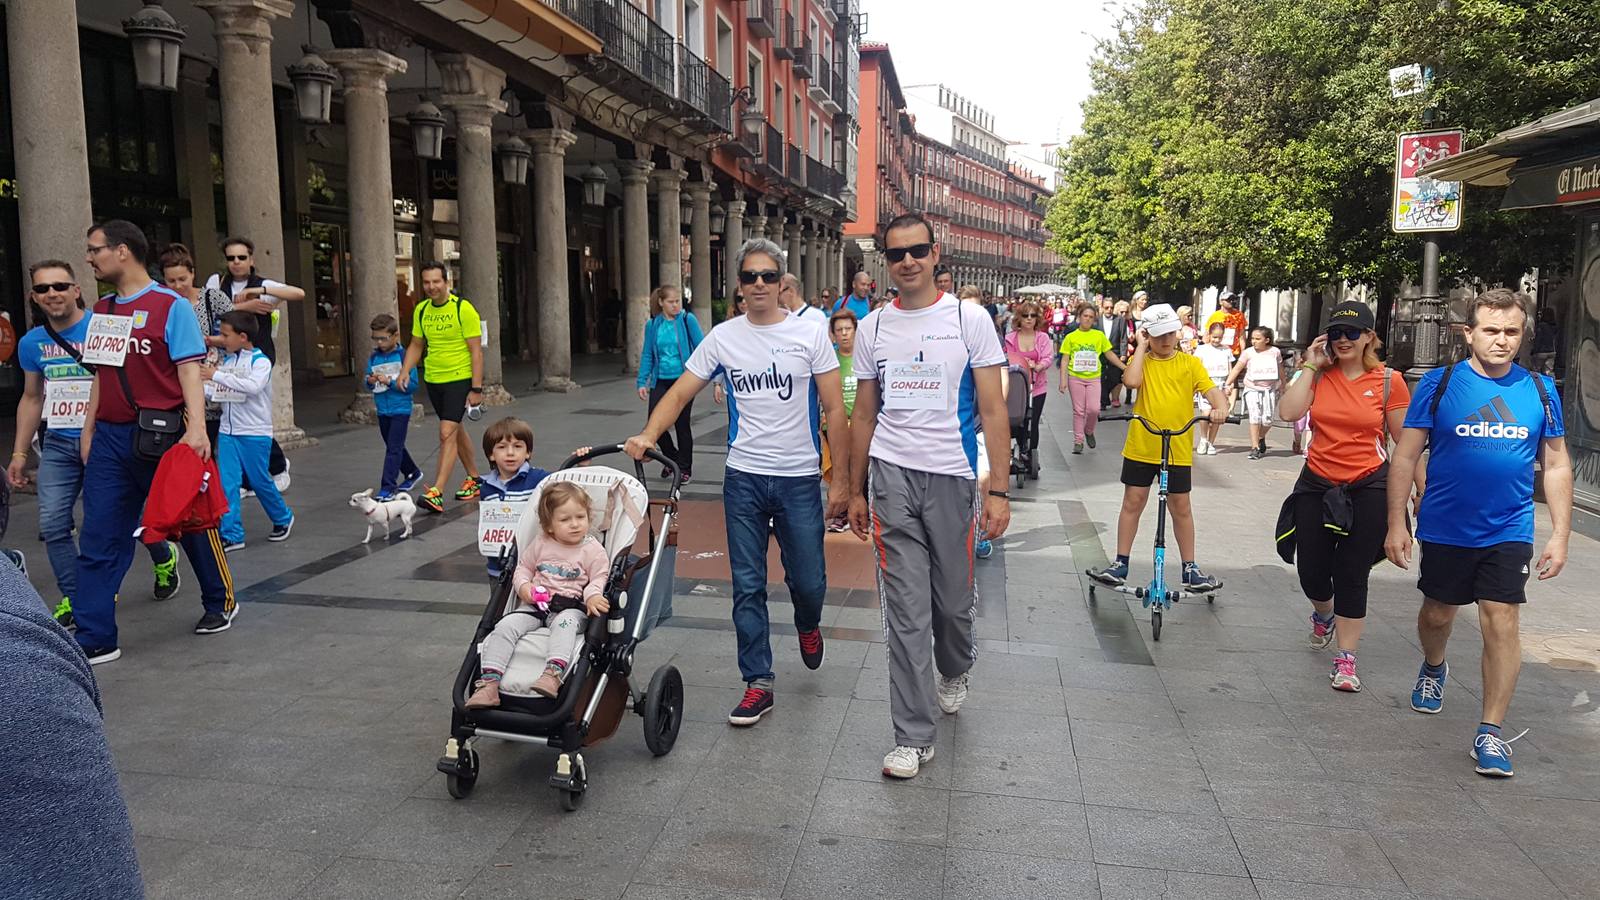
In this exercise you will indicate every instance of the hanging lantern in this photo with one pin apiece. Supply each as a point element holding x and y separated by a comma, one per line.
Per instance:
<point>685,211</point>
<point>594,185</point>
<point>157,38</point>
<point>427,130</point>
<point>514,156</point>
<point>719,219</point>
<point>313,82</point>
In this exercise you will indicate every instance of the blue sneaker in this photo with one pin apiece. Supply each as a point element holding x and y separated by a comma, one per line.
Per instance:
<point>384,496</point>
<point>1428,695</point>
<point>409,483</point>
<point>984,548</point>
<point>1114,574</point>
<point>1492,754</point>
<point>1197,581</point>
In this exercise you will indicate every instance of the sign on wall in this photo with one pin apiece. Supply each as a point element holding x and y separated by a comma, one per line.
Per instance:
<point>1422,203</point>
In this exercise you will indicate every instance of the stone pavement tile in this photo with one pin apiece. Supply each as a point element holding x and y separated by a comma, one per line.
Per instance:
<point>750,797</point>
<point>891,810</point>
<point>1545,820</point>
<point>386,764</point>
<point>441,832</point>
<point>1197,712</point>
<point>187,704</point>
<point>866,717</point>
<point>1387,808</point>
<point>1120,706</point>
<point>180,870</point>
<point>637,891</point>
<point>1571,868</point>
<point>1475,869</point>
<point>1342,856</point>
<point>1399,765</point>
<point>1239,753</point>
<point>1201,685</point>
<point>871,684</point>
<point>567,856</point>
<point>378,879</point>
<point>1189,843</point>
<point>785,744</point>
<point>1016,672</point>
<point>1094,739</point>
<point>835,679</point>
<point>859,757</point>
<point>341,717</point>
<point>1291,890</point>
<point>999,824</point>
<point>970,875</point>
<point>996,763</point>
<point>709,856</point>
<point>828,868</point>
<point>1105,676</point>
<point>1124,883</point>
<point>1173,784</point>
<point>273,817</point>
<point>1001,696</point>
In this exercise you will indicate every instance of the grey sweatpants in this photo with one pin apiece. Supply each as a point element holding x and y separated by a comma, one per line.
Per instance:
<point>923,528</point>
<point>566,629</point>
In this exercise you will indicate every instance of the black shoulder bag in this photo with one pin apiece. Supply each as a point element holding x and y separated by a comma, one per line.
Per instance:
<point>158,429</point>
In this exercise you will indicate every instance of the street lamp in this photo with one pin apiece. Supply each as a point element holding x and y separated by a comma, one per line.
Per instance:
<point>514,156</point>
<point>313,82</point>
<point>685,211</point>
<point>427,130</point>
<point>594,185</point>
<point>156,38</point>
<point>719,218</point>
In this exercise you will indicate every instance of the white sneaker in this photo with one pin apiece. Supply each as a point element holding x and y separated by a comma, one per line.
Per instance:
<point>906,762</point>
<point>952,693</point>
<point>1202,447</point>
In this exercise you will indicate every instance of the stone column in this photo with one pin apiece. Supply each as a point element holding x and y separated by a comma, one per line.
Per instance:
<point>755,224</point>
<point>814,266</point>
<point>52,152</point>
<point>700,273</point>
<point>836,266</point>
<point>194,171</point>
<point>550,257</point>
<point>668,184</point>
<point>635,256</point>
<point>795,261</point>
<point>732,240</point>
<point>365,74</point>
<point>775,225</point>
<point>472,93</point>
<point>250,169</point>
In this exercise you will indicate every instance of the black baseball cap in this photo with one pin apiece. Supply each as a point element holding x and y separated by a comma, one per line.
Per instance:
<point>1351,312</point>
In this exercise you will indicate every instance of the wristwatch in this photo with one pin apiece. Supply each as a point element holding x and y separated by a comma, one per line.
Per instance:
<point>475,389</point>
<point>1003,495</point>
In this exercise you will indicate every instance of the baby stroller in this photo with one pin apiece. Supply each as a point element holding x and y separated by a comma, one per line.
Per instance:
<point>597,690</point>
<point>1018,394</point>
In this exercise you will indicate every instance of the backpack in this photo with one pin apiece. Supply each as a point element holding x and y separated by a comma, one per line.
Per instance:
<point>1444,382</point>
<point>185,497</point>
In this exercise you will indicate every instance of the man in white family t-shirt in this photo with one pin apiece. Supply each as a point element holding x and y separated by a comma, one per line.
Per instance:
<point>775,368</point>
<point>934,363</point>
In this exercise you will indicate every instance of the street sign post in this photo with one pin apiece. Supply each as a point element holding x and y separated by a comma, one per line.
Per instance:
<point>1423,204</point>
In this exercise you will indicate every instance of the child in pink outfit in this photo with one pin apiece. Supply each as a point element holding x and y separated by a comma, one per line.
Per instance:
<point>564,566</point>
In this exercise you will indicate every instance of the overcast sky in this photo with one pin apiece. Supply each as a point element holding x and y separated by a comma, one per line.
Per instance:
<point>1026,61</point>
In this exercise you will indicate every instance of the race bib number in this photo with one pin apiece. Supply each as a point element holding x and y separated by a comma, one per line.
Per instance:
<point>66,403</point>
<point>916,385</point>
<point>1085,361</point>
<point>1228,335</point>
<point>106,343</point>
<point>220,394</point>
<point>381,370</point>
<point>497,525</point>
<point>1262,368</point>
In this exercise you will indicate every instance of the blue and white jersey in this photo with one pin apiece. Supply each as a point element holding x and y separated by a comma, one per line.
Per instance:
<point>772,398</point>
<point>37,352</point>
<point>922,360</point>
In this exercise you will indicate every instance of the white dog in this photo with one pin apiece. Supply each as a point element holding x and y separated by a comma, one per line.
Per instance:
<point>384,512</point>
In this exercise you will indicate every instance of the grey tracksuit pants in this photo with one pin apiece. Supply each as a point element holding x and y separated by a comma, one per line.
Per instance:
<point>923,527</point>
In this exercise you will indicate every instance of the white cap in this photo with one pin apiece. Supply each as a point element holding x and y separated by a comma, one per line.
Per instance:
<point>1160,319</point>
<point>1227,294</point>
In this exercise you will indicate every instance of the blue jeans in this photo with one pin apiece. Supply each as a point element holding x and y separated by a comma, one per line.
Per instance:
<point>755,508</point>
<point>246,456</point>
<point>60,481</point>
<point>397,461</point>
<point>115,484</point>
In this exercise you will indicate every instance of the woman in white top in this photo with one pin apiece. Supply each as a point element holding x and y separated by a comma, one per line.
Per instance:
<point>1261,366</point>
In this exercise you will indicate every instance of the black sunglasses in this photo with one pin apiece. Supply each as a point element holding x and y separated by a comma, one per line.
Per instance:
<point>238,258</point>
<point>1344,333</point>
<point>770,276</point>
<point>917,251</point>
<point>45,287</point>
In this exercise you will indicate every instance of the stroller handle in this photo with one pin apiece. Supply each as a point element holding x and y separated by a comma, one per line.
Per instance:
<point>652,454</point>
<point>1135,417</point>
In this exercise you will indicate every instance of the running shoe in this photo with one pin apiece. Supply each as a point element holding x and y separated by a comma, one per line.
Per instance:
<point>686,477</point>
<point>384,496</point>
<point>840,524</point>
<point>281,532</point>
<point>811,649</point>
<point>17,559</point>
<point>953,693</point>
<point>1321,632</point>
<point>216,623</point>
<point>433,500</point>
<point>409,482</point>
<point>906,762</point>
<point>1077,448</point>
<point>757,702</point>
<point>98,655</point>
<point>1254,454</point>
<point>167,578</point>
<point>1492,754</point>
<point>1198,582</point>
<point>469,490</point>
<point>1428,695</point>
<point>63,614</point>
<point>983,549</point>
<point>232,546</point>
<point>1114,574</point>
<point>1343,677</point>
<point>281,481</point>
<point>1089,439</point>
<point>246,492</point>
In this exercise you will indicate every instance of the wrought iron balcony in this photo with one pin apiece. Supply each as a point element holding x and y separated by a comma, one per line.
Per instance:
<point>784,43</point>
<point>971,152</point>
<point>637,44</point>
<point>822,84</point>
<point>800,44</point>
<point>761,17</point>
<point>706,93</point>
<point>838,101</point>
<point>772,152</point>
<point>795,169</point>
<point>823,180</point>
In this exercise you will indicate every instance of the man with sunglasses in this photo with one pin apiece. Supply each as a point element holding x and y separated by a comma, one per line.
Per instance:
<point>928,368</point>
<point>775,366</point>
<point>793,298</point>
<point>56,391</point>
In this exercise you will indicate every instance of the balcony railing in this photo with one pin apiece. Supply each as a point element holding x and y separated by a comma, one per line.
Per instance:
<point>761,17</point>
<point>635,42</point>
<point>772,155</point>
<point>971,152</point>
<point>795,170</point>
<point>580,11</point>
<point>822,83</point>
<point>839,91</point>
<point>823,179</point>
<point>801,63</point>
<point>785,43</point>
<point>705,91</point>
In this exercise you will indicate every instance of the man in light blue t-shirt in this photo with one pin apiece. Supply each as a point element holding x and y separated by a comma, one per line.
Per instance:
<point>1487,420</point>
<point>859,300</point>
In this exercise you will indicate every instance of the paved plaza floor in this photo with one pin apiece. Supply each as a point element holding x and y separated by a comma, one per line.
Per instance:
<point>293,756</point>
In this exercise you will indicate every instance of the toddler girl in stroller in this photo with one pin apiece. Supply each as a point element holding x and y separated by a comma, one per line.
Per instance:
<point>559,580</point>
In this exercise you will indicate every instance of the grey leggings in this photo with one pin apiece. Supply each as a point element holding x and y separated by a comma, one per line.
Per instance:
<point>566,630</point>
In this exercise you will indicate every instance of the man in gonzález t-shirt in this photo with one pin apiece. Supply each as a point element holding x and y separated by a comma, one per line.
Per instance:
<point>447,331</point>
<point>1490,422</point>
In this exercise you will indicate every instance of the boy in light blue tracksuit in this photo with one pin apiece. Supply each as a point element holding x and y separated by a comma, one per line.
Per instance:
<point>400,471</point>
<point>669,338</point>
<point>242,384</point>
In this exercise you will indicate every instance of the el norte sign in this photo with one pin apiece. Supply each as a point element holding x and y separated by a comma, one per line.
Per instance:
<point>1574,181</point>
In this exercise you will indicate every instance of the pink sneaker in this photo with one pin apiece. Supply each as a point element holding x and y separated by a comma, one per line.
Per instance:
<point>1343,676</point>
<point>1321,633</point>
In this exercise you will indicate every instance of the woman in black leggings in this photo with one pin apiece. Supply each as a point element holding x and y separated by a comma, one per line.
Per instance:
<point>1334,523</point>
<point>1029,348</point>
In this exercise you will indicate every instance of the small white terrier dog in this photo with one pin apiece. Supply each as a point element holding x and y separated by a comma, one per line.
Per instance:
<point>384,512</point>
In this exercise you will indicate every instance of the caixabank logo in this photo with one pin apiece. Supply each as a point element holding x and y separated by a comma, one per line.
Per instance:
<point>1493,420</point>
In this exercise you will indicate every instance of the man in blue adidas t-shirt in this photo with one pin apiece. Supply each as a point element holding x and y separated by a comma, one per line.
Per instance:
<point>1487,420</point>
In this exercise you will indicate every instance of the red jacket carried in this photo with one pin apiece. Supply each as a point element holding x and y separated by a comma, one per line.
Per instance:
<point>186,497</point>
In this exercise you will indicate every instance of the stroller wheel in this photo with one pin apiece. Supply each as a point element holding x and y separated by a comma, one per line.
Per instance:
<point>663,710</point>
<point>571,800</point>
<point>465,777</point>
